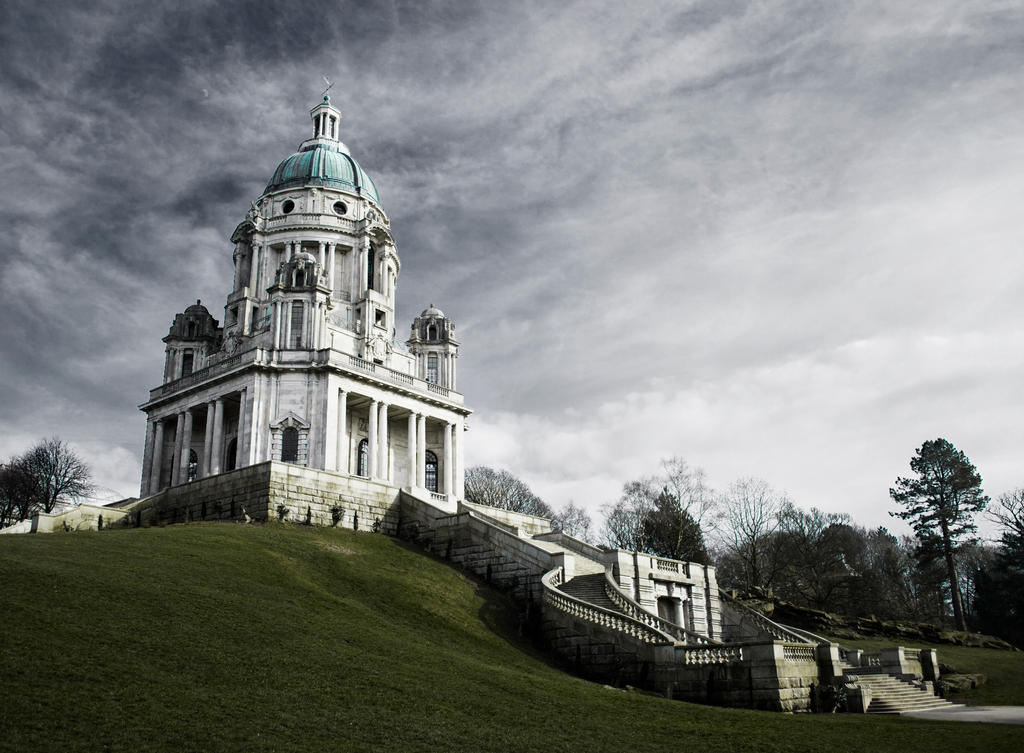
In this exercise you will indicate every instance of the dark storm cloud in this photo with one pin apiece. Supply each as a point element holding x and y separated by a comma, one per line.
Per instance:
<point>705,228</point>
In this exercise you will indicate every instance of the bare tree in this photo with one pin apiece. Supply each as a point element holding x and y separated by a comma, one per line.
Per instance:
<point>1009,513</point>
<point>624,519</point>
<point>817,549</point>
<point>19,492</point>
<point>664,515</point>
<point>60,475</point>
<point>689,488</point>
<point>494,488</point>
<point>752,518</point>
<point>574,521</point>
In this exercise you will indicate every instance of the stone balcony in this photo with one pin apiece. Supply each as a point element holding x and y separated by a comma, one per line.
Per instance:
<point>337,360</point>
<point>311,220</point>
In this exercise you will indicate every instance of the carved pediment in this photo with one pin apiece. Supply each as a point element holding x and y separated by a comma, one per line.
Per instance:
<point>290,421</point>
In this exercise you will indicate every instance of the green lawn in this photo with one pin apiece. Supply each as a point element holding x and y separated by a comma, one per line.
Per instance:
<point>1004,670</point>
<point>279,638</point>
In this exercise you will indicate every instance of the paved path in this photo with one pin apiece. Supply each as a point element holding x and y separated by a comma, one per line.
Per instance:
<point>991,714</point>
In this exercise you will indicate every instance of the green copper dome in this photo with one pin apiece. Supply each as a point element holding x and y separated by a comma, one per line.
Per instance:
<point>323,164</point>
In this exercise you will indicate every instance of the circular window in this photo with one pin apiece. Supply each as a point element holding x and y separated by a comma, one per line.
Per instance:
<point>288,206</point>
<point>340,207</point>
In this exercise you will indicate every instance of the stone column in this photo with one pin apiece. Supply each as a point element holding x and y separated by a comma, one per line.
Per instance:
<point>460,461</point>
<point>323,256</point>
<point>364,258</point>
<point>240,435</point>
<point>449,474</point>
<point>158,456</point>
<point>454,359</point>
<point>236,258</point>
<point>371,442</point>
<point>342,431</point>
<point>254,268</point>
<point>147,459</point>
<point>186,446</point>
<point>330,267</point>
<point>217,449</point>
<point>179,431</point>
<point>277,324</point>
<point>412,449</point>
<point>314,325</point>
<point>421,451</point>
<point>383,455</point>
<point>208,440</point>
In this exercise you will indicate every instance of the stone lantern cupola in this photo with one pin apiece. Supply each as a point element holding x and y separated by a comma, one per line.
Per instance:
<point>326,120</point>
<point>433,344</point>
<point>193,337</point>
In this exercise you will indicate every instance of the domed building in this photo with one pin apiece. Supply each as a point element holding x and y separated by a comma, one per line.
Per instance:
<point>305,369</point>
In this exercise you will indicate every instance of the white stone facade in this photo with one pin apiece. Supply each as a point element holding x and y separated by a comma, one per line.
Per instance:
<point>306,368</point>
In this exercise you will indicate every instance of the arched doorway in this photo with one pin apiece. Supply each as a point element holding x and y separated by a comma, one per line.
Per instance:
<point>232,452</point>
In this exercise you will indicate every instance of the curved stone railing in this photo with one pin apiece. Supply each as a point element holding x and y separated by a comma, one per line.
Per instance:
<point>702,655</point>
<point>596,615</point>
<point>637,612</point>
<point>774,629</point>
<point>571,542</point>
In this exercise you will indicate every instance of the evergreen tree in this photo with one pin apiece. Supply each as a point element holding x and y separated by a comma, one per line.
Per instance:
<point>940,503</point>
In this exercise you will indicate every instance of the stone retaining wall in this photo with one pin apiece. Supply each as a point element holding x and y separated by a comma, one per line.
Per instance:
<point>273,491</point>
<point>486,549</point>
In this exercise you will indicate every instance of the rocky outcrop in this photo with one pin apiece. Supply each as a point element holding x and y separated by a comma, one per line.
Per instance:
<point>836,626</point>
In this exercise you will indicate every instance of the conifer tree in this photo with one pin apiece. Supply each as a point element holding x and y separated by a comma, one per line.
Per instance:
<point>940,504</point>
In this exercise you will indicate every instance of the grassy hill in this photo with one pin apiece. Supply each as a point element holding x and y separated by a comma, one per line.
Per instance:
<point>279,638</point>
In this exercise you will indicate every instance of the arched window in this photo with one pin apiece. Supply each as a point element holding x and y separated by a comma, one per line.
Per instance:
<point>300,278</point>
<point>232,454</point>
<point>431,332</point>
<point>431,468</point>
<point>186,363</point>
<point>432,368</point>
<point>290,445</point>
<point>193,465</point>
<point>371,261</point>
<point>362,465</point>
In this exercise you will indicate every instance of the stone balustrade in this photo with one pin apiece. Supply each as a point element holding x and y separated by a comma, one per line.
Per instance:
<point>604,618</point>
<point>637,612</point>
<point>798,653</point>
<point>773,629</point>
<point>311,220</point>
<point>705,655</point>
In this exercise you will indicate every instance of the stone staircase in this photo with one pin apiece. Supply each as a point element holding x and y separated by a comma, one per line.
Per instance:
<point>590,588</point>
<point>890,695</point>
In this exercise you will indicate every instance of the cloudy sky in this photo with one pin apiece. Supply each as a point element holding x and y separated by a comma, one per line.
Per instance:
<point>778,239</point>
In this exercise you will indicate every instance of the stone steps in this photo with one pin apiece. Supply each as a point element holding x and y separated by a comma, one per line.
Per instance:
<point>890,695</point>
<point>590,588</point>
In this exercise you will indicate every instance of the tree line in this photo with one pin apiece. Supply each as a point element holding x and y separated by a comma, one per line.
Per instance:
<point>47,476</point>
<point>761,542</point>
